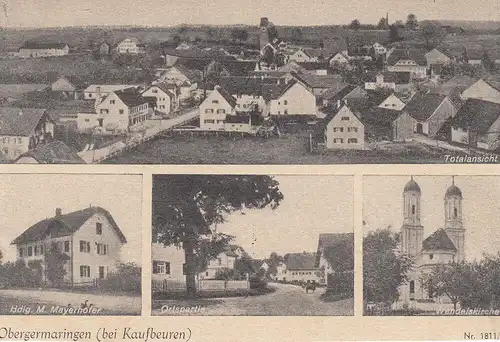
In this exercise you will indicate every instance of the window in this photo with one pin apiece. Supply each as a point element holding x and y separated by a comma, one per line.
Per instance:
<point>102,249</point>
<point>412,286</point>
<point>431,256</point>
<point>352,141</point>
<point>352,129</point>
<point>221,111</point>
<point>84,271</point>
<point>98,228</point>
<point>21,252</point>
<point>344,118</point>
<point>41,249</point>
<point>112,101</point>
<point>208,121</point>
<point>101,272</point>
<point>66,246</point>
<point>219,261</point>
<point>104,111</point>
<point>286,111</point>
<point>30,251</point>
<point>455,212</point>
<point>215,101</point>
<point>87,120</point>
<point>155,91</point>
<point>285,102</point>
<point>338,129</point>
<point>36,250</point>
<point>209,111</point>
<point>184,269</point>
<point>121,111</point>
<point>413,209</point>
<point>84,246</point>
<point>19,140</point>
<point>90,95</point>
<point>338,141</point>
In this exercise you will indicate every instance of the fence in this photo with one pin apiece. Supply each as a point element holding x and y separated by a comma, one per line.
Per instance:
<point>202,285</point>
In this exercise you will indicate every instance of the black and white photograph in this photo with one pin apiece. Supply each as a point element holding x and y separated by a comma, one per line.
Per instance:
<point>398,82</point>
<point>70,244</point>
<point>252,245</point>
<point>430,245</point>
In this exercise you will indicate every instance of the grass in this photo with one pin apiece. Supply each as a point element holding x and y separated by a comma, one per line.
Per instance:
<point>200,295</point>
<point>329,297</point>
<point>289,149</point>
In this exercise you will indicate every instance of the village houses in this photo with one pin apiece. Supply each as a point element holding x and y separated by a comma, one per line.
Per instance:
<point>88,240</point>
<point>23,129</point>
<point>71,87</point>
<point>215,108</point>
<point>482,90</point>
<point>341,129</point>
<point>43,49</point>
<point>130,46</point>
<point>413,61</point>
<point>293,98</point>
<point>300,267</point>
<point>165,100</point>
<point>94,91</point>
<point>389,124</point>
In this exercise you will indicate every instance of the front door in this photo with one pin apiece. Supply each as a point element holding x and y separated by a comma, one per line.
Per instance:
<point>420,129</point>
<point>101,272</point>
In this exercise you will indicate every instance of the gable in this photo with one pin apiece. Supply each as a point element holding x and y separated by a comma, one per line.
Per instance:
<point>297,89</point>
<point>392,102</point>
<point>216,96</point>
<point>344,111</point>
<point>482,90</point>
<point>63,83</point>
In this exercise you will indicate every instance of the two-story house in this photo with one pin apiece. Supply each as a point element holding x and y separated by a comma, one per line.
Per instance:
<point>93,91</point>
<point>215,108</point>
<point>293,98</point>
<point>163,95</point>
<point>23,129</point>
<point>120,110</point>
<point>88,240</point>
<point>482,90</point>
<point>43,49</point>
<point>130,46</point>
<point>186,79</point>
<point>301,267</point>
<point>413,61</point>
<point>342,129</point>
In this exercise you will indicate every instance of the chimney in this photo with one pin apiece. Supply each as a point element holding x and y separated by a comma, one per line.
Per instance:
<point>338,104</point>
<point>58,212</point>
<point>98,95</point>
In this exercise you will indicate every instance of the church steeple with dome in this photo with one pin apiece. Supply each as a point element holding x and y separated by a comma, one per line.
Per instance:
<point>412,232</point>
<point>453,219</point>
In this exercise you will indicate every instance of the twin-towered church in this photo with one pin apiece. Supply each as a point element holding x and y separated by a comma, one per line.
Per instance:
<point>445,245</point>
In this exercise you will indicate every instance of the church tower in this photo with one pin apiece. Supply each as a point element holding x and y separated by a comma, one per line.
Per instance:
<point>412,232</point>
<point>453,219</point>
<point>264,34</point>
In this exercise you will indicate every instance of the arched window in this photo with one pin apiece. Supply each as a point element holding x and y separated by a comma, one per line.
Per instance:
<point>455,212</point>
<point>412,286</point>
<point>413,209</point>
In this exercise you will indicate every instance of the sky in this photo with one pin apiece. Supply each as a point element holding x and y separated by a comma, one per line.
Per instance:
<point>29,198</point>
<point>382,207</point>
<point>55,13</point>
<point>312,205</point>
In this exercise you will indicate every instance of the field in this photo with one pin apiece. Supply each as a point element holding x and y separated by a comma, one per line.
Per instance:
<point>289,149</point>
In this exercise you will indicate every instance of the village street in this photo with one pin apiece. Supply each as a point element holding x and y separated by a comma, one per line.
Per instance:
<point>287,300</point>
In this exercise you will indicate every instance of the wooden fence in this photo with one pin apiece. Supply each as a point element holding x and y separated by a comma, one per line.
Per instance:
<point>202,285</point>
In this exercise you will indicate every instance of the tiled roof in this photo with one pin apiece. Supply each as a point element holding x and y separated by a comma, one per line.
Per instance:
<point>314,65</point>
<point>416,55</point>
<point>319,81</point>
<point>19,121</point>
<point>381,115</point>
<point>228,97</point>
<point>164,87</point>
<point>65,225</point>
<point>193,63</point>
<point>55,152</point>
<point>422,106</point>
<point>192,75</point>
<point>238,68</point>
<point>477,115</point>
<point>300,261</point>
<point>274,91</point>
<point>439,240</point>
<point>237,119</point>
<point>328,240</point>
<point>338,93</point>
<point>242,85</point>
<point>131,98</point>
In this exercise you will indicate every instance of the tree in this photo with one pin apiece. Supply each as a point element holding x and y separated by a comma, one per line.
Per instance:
<point>394,35</point>
<point>433,35</point>
<point>297,34</point>
<point>240,35</point>
<point>384,268</point>
<point>274,260</point>
<point>355,24</point>
<point>186,207</point>
<point>411,21</point>
<point>488,63</point>
<point>340,255</point>
<point>1,257</point>
<point>382,23</point>
<point>54,261</point>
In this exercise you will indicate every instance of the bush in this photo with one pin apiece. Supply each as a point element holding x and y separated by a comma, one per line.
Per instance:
<point>126,278</point>
<point>18,274</point>
<point>339,283</point>
<point>257,282</point>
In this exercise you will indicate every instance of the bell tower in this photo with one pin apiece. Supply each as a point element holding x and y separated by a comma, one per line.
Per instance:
<point>264,34</point>
<point>412,231</point>
<point>453,224</point>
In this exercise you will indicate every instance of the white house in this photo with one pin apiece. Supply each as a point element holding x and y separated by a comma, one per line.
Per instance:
<point>326,241</point>
<point>293,99</point>
<point>130,46</point>
<point>301,267</point>
<point>186,79</point>
<point>408,60</point>
<point>343,130</point>
<point>224,261</point>
<point>163,95</point>
<point>70,86</point>
<point>306,55</point>
<point>168,263</point>
<point>392,102</point>
<point>40,49</point>
<point>238,123</point>
<point>379,49</point>
<point>380,83</point>
<point>23,129</point>
<point>214,109</point>
<point>89,239</point>
<point>340,59</point>
<point>482,90</point>
<point>120,111</point>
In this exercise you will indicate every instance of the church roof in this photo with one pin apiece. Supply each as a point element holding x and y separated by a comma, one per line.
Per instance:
<point>412,186</point>
<point>454,191</point>
<point>438,240</point>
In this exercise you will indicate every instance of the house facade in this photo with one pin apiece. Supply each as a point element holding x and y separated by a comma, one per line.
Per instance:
<point>294,99</point>
<point>300,267</point>
<point>95,91</point>
<point>24,129</point>
<point>380,83</point>
<point>392,102</point>
<point>164,98</point>
<point>343,130</point>
<point>412,61</point>
<point>130,46</point>
<point>39,49</point>
<point>89,241</point>
<point>215,108</point>
<point>389,124</point>
<point>482,90</point>
<point>168,263</point>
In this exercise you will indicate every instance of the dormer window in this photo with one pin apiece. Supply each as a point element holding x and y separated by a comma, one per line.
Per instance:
<point>215,101</point>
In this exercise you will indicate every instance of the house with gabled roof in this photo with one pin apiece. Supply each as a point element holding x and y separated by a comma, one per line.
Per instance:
<point>431,111</point>
<point>483,90</point>
<point>318,84</point>
<point>43,49</point>
<point>54,152</point>
<point>23,129</point>
<point>408,60</point>
<point>70,86</point>
<point>343,94</point>
<point>300,267</point>
<point>165,99</point>
<point>186,79</point>
<point>214,109</point>
<point>89,241</point>
<point>292,98</point>
<point>307,55</point>
<point>392,102</point>
<point>341,129</point>
<point>477,124</point>
<point>131,46</point>
<point>388,124</point>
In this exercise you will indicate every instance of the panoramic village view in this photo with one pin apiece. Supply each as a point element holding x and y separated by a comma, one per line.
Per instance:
<point>252,245</point>
<point>430,246</point>
<point>400,90</point>
<point>70,255</point>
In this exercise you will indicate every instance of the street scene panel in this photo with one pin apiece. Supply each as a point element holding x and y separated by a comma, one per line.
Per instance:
<point>252,245</point>
<point>429,245</point>
<point>73,247</point>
